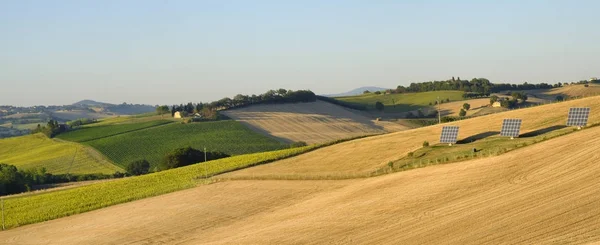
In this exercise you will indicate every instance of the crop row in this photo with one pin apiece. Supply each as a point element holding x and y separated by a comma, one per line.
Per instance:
<point>98,132</point>
<point>152,144</point>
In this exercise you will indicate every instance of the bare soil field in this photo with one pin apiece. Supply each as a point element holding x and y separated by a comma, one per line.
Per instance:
<point>542,194</point>
<point>315,122</point>
<point>370,153</point>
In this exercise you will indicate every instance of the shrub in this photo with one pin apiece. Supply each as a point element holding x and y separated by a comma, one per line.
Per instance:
<point>410,154</point>
<point>425,143</point>
<point>560,98</point>
<point>138,167</point>
<point>298,144</point>
<point>462,113</point>
<point>379,106</point>
<point>377,92</point>
<point>466,106</point>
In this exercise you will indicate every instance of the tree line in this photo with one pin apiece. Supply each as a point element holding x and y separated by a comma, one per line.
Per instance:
<point>208,110</point>
<point>476,86</point>
<point>14,180</point>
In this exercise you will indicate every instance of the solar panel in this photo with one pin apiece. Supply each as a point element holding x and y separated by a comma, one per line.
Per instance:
<point>449,134</point>
<point>578,116</point>
<point>511,127</point>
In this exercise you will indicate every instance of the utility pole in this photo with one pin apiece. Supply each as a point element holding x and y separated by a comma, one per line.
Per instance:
<point>438,110</point>
<point>2,203</point>
<point>205,168</point>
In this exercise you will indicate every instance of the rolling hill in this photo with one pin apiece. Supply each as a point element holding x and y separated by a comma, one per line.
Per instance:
<point>152,140</point>
<point>58,157</point>
<point>402,102</point>
<point>519,197</point>
<point>488,187</point>
<point>315,122</point>
<point>369,154</point>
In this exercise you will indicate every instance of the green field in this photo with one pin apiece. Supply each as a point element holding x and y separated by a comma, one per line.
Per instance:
<point>33,208</point>
<point>153,143</point>
<point>402,102</point>
<point>94,132</point>
<point>37,151</point>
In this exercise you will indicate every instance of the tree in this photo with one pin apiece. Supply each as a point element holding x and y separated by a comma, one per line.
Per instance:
<point>11,181</point>
<point>163,109</point>
<point>379,106</point>
<point>377,92</point>
<point>366,92</point>
<point>138,167</point>
<point>559,98</point>
<point>462,113</point>
<point>466,106</point>
<point>493,99</point>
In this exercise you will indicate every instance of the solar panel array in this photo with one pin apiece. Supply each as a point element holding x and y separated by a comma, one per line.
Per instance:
<point>449,134</point>
<point>578,116</point>
<point>511,127</point>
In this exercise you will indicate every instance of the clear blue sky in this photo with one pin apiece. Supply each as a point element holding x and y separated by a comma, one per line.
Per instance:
<point>165,52</point>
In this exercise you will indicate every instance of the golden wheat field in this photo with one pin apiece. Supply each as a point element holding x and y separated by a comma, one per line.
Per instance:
<point>542,194</point>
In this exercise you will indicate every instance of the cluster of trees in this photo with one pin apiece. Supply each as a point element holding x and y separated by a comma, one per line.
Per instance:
<point>517,97</point>
<point>51,129</point>
<point>442,101</point>
<point>208,110</point>
<point>14,180</point>
<point>472,95</point>
<point>80,122</point>
<point>480,86</point>
<point>187,156</point>
<point>177,158</point>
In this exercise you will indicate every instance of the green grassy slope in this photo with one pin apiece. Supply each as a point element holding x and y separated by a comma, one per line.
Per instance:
<point>102,131</point>
<point>37,151</point>
<point>153,143</point>
<point>402,102</point>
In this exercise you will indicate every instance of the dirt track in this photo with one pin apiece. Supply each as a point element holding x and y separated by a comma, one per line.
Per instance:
<point>545,193</point>
<point>315,122</point>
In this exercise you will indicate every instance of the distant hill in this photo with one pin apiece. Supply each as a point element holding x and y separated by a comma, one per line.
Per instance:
<point>120,109</point>
<point>357,91</point>
<point>86,103</point>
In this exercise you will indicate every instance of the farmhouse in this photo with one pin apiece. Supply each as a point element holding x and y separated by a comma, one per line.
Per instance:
<point>497,104</point>
<point>178,114</point>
